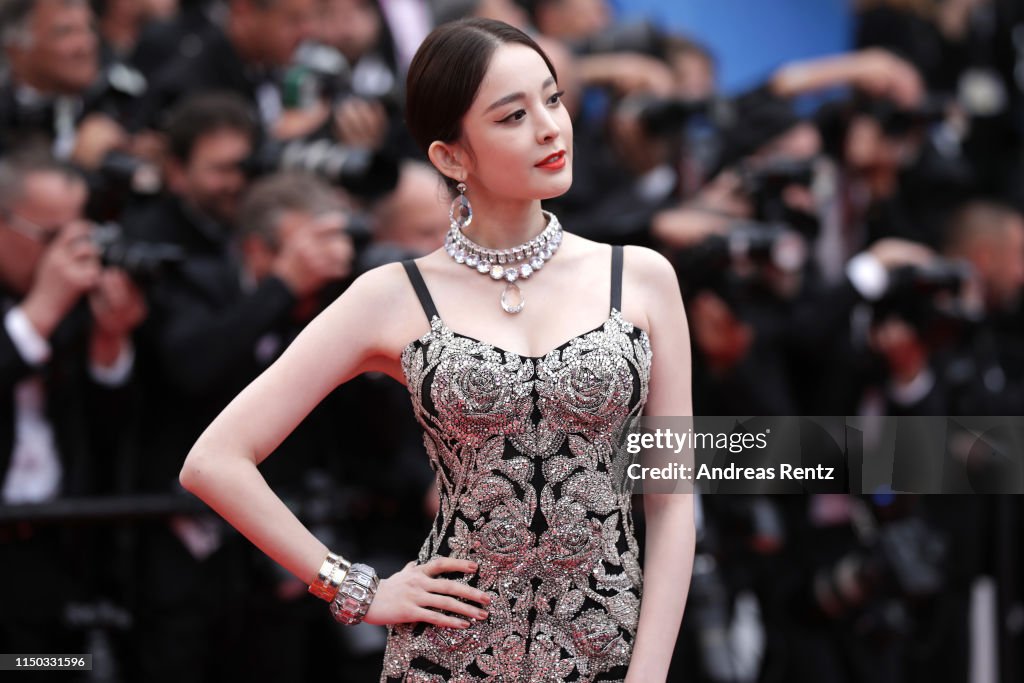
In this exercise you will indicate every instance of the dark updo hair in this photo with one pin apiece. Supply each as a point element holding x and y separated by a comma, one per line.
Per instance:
<point>446,73</point>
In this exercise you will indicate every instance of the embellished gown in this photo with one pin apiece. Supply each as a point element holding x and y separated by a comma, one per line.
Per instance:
<point>525,452</point>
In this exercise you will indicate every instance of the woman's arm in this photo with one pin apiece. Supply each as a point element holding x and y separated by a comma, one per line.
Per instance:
<point>221,468</point>
<point>348,338</point>
<point>670,539</point>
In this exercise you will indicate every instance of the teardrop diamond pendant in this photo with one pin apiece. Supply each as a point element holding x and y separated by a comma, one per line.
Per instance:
<point>512,289</point>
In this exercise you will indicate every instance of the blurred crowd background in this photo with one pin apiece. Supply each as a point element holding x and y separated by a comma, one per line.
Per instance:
<point>184,184</point>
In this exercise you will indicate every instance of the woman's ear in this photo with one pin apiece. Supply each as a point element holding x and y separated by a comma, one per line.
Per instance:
<point>448,159</point>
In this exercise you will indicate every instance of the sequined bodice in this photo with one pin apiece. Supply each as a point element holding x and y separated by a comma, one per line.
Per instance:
<point>524,449</point>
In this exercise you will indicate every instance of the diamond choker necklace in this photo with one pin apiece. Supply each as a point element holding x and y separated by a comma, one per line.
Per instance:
<point>519,262</point>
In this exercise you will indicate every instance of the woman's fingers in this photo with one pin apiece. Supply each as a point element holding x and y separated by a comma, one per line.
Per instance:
<point>452,605</point>
<point>461,590</point>
<point>425,591</point>
<point>440,565</point>
<point>438,619</point>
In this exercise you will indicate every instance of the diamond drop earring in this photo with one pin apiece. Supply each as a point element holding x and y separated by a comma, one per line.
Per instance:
<point>461,211</point>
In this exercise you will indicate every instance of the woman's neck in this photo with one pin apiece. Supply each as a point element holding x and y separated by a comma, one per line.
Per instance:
<point>504,224</point>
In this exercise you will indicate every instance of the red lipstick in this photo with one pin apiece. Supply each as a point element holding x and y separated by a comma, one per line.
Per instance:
<point>552,162</point>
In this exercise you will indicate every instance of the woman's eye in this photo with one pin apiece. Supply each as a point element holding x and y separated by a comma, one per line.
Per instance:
<point>516,116</point>
<point>556,97</point>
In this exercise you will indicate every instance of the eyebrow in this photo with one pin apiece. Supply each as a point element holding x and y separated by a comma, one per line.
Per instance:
<point>517,95</point>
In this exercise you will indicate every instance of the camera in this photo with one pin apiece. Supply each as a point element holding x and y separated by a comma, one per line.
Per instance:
<point>927,298</point>
<point>767,180</point>
<point>144,262</point>
<point>321,72</point>
<point>122,171</point>
<point>896,121</point>
<point>765,184</point>
<point>747,244</point>
<point>364,172</point>
<point>317,71</point>
<point>661,117</point>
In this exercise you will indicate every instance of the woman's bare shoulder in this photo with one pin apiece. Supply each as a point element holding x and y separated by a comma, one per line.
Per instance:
<point>387,305</point>
<point>388,284</point>
<point>650,280</point>
<point>380,286</point>
<point>649,267</point>
<point>643,261</point>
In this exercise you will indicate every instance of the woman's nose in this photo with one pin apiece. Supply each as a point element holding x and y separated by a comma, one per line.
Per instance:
<point>547,128</point>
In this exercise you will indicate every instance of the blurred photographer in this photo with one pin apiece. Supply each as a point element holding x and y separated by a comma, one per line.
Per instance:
<point>957,352</point>
<point>344,83</point>
<point>66,357</point>
<point>960,47</point>
<point>777,298</point>
<point>243,54</point>
<point>209,138</point>
<point>758,128</point>
<point>218,321</point>
<point>54,91</point>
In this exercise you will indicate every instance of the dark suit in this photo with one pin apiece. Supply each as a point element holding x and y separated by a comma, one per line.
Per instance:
<point>168,220</point>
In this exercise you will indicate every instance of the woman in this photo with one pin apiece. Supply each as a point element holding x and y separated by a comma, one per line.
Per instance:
<point>545,575</point>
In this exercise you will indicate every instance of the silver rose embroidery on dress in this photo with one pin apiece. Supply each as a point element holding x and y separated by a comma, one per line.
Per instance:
<point>525,450</point>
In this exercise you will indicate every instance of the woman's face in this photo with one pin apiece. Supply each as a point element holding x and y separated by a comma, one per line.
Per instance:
<point>515,126</point>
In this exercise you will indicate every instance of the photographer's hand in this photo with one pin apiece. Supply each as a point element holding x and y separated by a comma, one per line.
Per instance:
<point>406,595</point>
<point>69,267</point>
<point>710,212</point>
<point>723,194</point>
<point>685,227</point>
<point>314,255</point>
<point>297,123</point>
<point>97,135</point>
<point>361,123</point>
<point>118,307</point>
<point>893,252</point>
<point>882,74</point>
<point>869,270</point>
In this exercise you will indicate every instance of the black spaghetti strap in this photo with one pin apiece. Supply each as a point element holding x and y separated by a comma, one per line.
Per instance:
<point>617,277</point>
<point>421,289</point>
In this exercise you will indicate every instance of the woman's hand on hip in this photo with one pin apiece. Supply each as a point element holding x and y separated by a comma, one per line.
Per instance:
<point>406,595</point>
